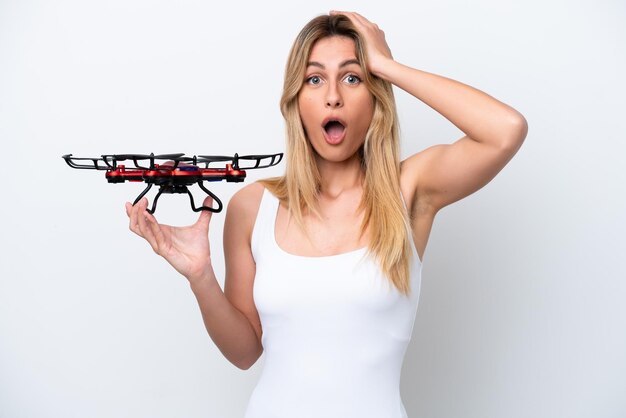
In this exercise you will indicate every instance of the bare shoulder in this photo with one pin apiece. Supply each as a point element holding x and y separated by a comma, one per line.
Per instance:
<point>244,204</point>
<point>246,195</point>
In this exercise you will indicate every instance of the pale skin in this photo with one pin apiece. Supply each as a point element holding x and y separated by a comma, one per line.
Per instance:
<point>429,180</point>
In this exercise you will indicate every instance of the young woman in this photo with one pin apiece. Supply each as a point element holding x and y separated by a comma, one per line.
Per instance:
<point>323,264</point>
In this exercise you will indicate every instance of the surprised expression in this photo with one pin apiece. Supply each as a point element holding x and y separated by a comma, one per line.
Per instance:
<point>335,105</point>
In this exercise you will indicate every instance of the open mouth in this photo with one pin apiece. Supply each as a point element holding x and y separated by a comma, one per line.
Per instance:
<point>334,131</point>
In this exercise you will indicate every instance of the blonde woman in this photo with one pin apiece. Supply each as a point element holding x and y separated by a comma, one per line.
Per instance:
<point>323,264</point>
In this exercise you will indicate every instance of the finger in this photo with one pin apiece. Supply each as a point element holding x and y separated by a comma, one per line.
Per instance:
<point>156,233</point>
<point>132,218</point>
<point>136,213</point>
<point>142,224</point>
<point>355,18</point>
<point>148,225</point>
<point>205,216</point>
<point>362,18</point>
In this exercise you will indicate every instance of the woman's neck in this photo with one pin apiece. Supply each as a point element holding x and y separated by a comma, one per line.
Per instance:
<point>337,177</point>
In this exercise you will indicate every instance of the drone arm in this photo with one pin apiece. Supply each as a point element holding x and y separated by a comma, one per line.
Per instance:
<point>95,163</point>
<point>259,161</point>
<point>215,199</point>
<point>143,194</point>
<point>154,202</point>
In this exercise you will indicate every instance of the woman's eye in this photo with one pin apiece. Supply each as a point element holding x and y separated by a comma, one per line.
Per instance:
<point>352,79</point>
<point>314,80</point>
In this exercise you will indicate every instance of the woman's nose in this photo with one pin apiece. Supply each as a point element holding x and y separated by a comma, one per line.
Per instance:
<point>333,98</point>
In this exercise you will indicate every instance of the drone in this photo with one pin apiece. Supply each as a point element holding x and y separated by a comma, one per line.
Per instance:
<point>173,173</point>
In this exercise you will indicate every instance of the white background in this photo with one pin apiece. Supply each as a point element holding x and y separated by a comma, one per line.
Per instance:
<point>521,312</point>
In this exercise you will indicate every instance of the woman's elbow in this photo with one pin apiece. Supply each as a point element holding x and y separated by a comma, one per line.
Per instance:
<point>516,133</point>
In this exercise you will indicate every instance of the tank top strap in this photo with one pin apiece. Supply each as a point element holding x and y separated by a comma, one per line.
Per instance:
<point>263,231</point>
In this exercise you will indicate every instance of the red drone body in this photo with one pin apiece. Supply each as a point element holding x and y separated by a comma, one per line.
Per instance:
<point>185,172</point>
<point>175,174</point>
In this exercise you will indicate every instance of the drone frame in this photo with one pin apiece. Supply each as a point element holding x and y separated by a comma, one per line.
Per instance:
<point>178,172</point>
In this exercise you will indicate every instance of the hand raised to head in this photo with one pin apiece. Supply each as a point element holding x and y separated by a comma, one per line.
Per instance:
<point>376,46</point>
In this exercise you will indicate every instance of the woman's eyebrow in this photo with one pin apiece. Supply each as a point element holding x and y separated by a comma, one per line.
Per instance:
<point>343,64</point>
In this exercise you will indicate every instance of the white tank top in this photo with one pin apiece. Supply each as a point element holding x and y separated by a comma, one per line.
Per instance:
<point>335,330</point>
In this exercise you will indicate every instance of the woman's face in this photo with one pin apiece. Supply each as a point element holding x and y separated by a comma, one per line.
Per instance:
<point>335,105</point>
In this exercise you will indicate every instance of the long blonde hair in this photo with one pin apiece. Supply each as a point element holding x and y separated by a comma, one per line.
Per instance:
<point>298,189</point>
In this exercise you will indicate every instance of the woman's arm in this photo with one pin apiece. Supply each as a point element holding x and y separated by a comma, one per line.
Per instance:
<point>228,327</point>
<point>493,130</point>
<point>230,317</point>
<point>187,250</point>
<point>241,267</point>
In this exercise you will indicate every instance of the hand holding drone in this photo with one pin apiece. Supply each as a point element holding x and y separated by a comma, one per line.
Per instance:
<point>186,248</point>
<point>176,172</point>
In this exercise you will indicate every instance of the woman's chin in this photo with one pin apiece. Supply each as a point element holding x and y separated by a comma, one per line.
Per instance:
<point>336,155</point>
